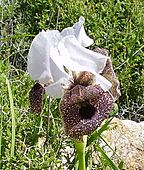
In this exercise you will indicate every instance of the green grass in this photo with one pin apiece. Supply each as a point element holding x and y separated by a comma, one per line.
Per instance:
<point>12,117</point>
<point>117,25</point>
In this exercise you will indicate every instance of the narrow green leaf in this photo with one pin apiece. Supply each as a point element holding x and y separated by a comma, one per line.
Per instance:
<point>121,165</point>
<point>1,120</point>
<point>88,159</point>
<point>121,162</point>
<point>108,145</point>
<point>12,116</point>
<point>138,50</point>
<point>107,159</point>
<point>16,36</point>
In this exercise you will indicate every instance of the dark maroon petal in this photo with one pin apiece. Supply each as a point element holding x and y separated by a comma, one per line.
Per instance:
<point>110,75</point>
<point>92,92</point>
<point>69,107</point>
<point>85,127</point>
<point>36,97</point>
<point>84,108</point>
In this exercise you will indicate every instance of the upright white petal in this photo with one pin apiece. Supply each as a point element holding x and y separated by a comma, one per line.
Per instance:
<point>78,58</point>
<point>67,31</point>
<point>57,89</point>
<point>39,55</point>
<point>53,37</point>
<point>79,32</point>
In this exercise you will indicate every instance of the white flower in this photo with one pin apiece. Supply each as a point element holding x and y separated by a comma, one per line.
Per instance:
<point>52,51</point>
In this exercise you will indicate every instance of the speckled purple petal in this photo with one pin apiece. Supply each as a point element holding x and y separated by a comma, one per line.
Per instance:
<point>110,75</point>
<point>76,104</point>
<point>35,98</point>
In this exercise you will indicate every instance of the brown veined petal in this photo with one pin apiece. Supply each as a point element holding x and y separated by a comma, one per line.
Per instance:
<point>83,109</point>
<point>110,75</point>
<point>36,97</point>
<point>85,78</point>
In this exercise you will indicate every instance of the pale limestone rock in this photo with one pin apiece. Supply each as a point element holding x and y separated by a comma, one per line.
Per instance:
<point>126,137</point>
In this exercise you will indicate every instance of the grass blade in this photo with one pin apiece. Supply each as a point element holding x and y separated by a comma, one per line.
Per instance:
<point>13,117</point>
<point>121,165</point>
<point>107,159</point>
<point>1,118</point>
<point>16,36</point>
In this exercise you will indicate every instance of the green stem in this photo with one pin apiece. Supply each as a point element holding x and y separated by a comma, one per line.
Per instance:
<point>80,147</point>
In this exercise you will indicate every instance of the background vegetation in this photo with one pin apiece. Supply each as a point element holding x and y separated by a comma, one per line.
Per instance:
<point>117,25</point>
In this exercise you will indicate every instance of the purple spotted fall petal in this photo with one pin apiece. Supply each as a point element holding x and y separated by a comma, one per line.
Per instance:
<point>36,97</point>
<point>83,109</point>
<point>110,75</point>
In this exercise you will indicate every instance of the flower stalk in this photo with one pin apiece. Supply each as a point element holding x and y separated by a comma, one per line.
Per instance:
<point>80,147</point>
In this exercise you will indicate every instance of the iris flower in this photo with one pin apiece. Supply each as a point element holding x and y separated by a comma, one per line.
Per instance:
<point>86,105</point>
<point>64,68</point>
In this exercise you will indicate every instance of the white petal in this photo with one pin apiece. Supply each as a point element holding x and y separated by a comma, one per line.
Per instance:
<point>57,89</point>
<point>78,31</point>
<point>67,31</point>
<point>53,37</point>
<point>103,82</point>
<point>38,56</point>
<point>77,58</point>
<point>56,65</point>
